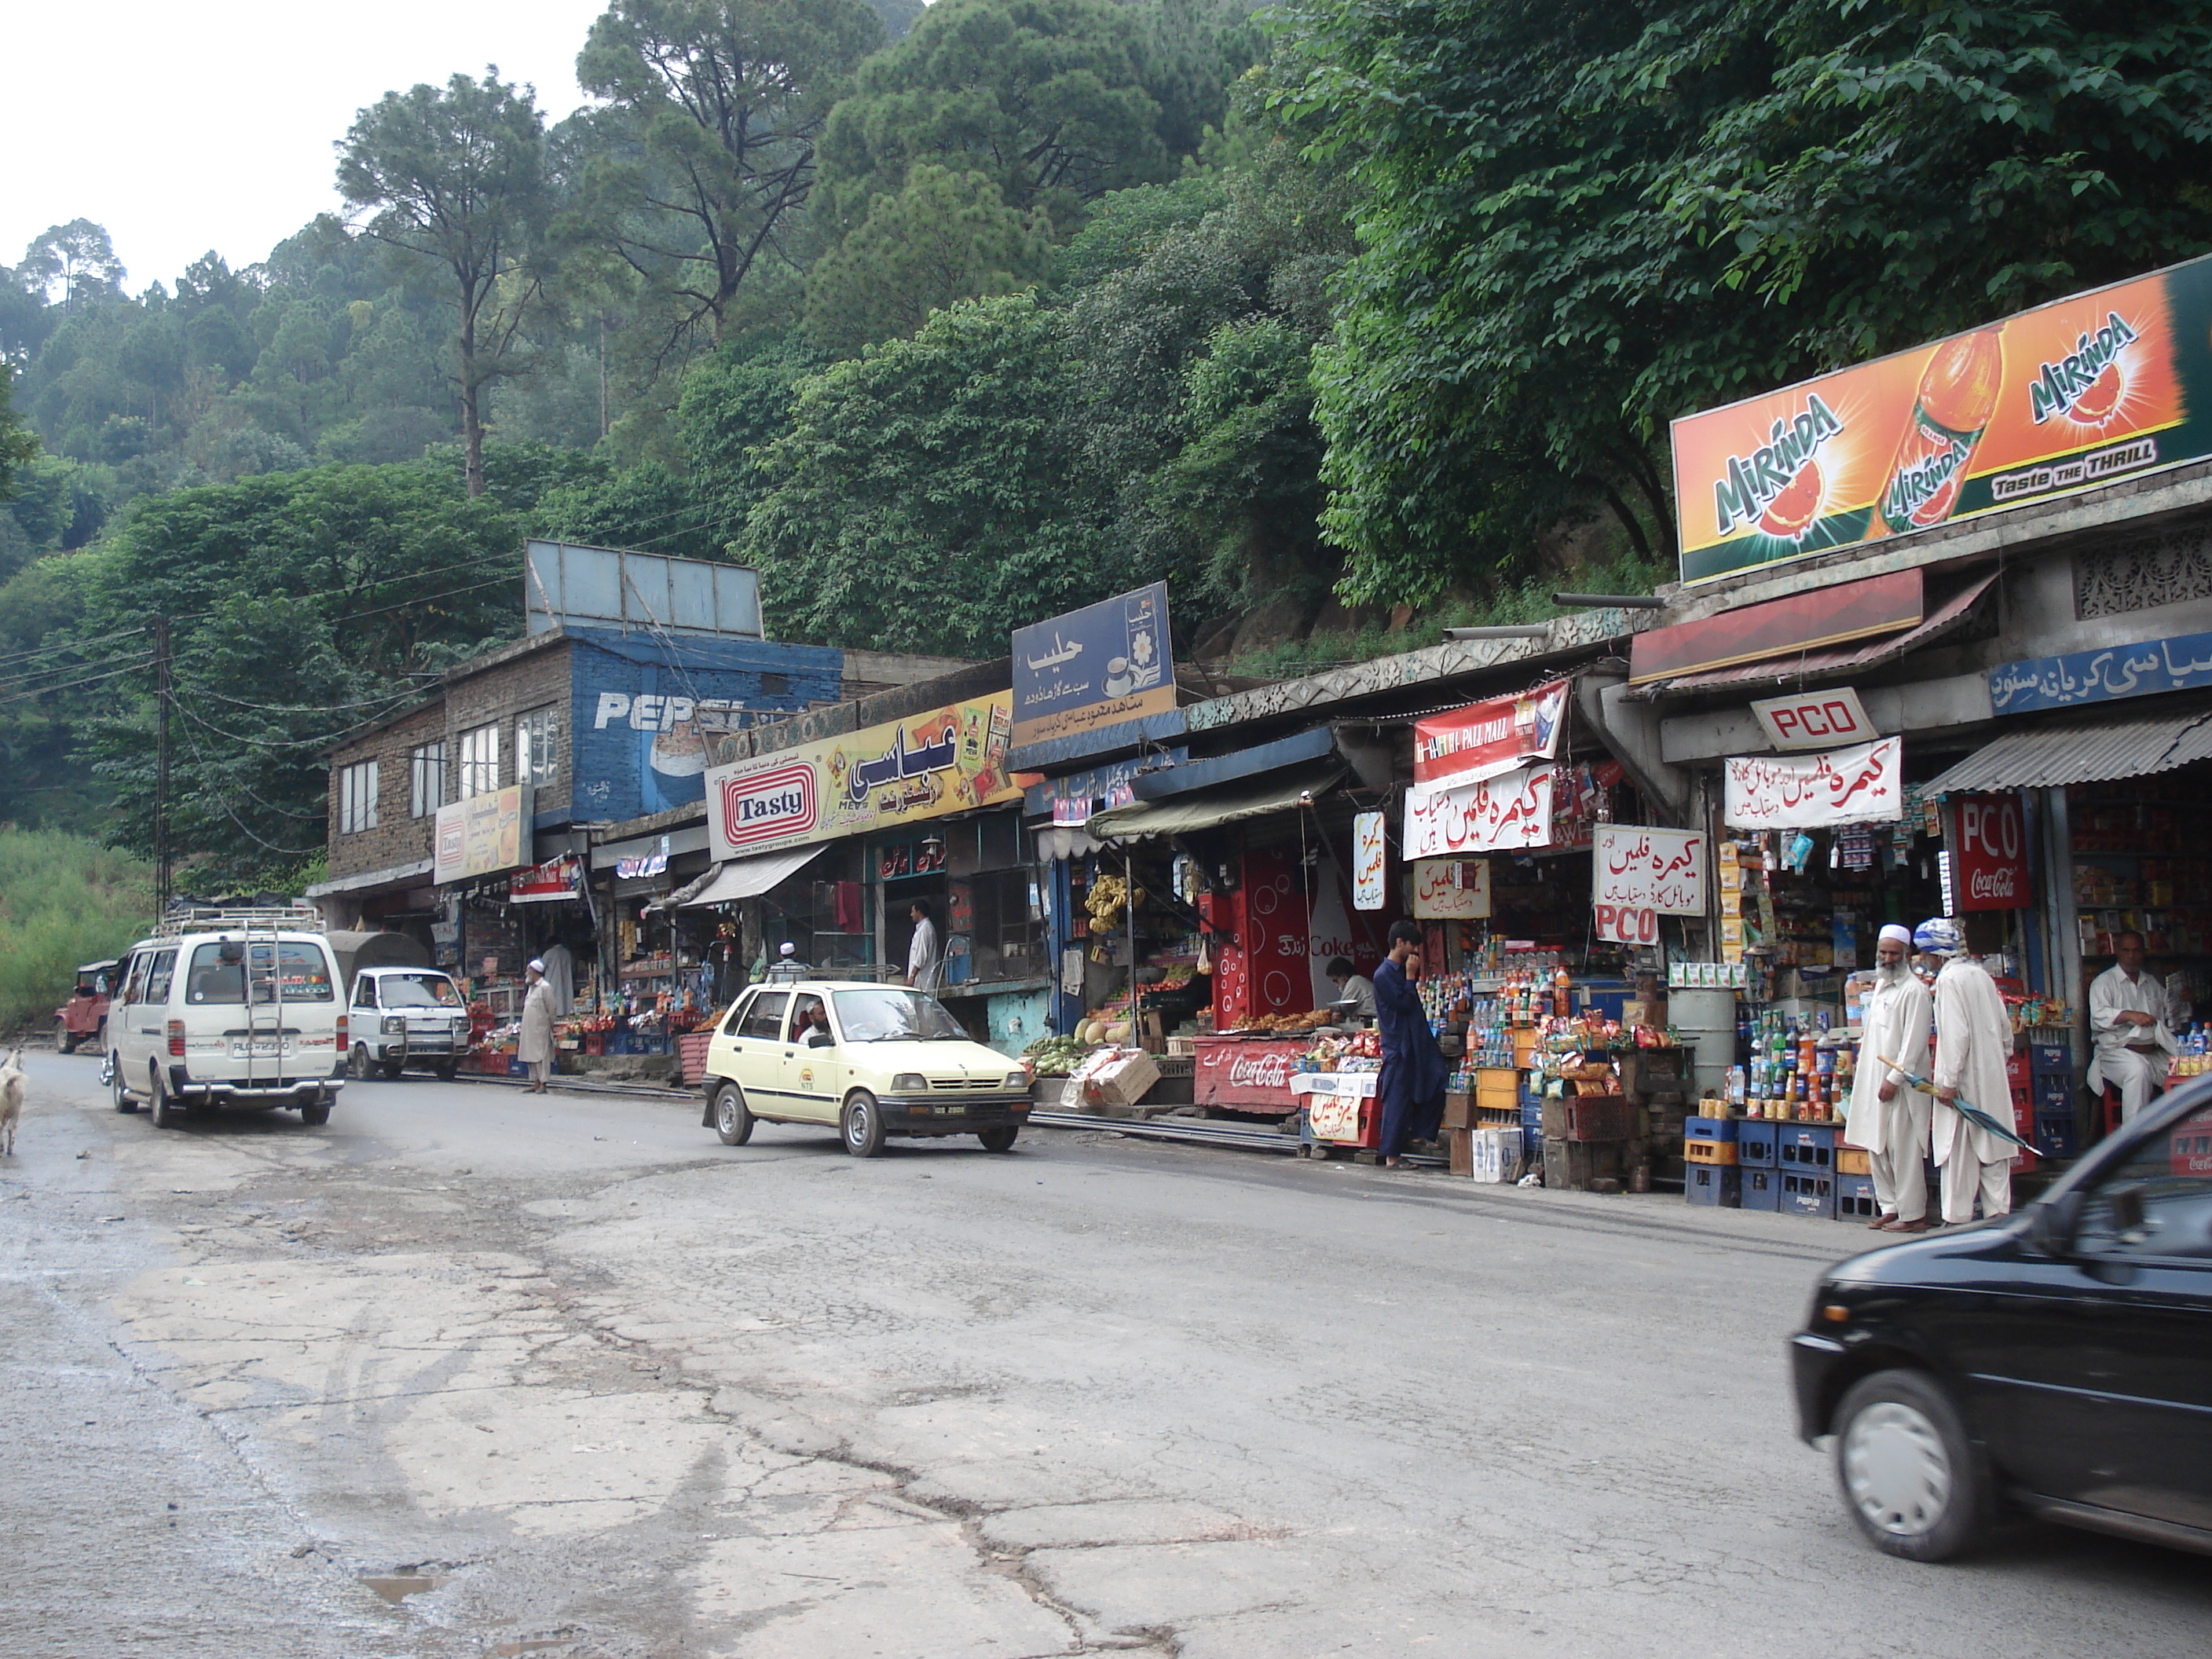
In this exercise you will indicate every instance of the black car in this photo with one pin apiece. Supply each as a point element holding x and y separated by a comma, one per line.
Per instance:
<point>2058,1360</point>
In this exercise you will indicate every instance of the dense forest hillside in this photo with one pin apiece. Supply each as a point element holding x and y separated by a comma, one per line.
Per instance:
<point>1347,320</point>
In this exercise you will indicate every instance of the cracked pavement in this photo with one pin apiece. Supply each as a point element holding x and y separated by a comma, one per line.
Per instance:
<point>473,1372</point>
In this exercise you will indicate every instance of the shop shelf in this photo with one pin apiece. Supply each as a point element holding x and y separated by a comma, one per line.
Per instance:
<point>1756,1144</point>
<point>1804,1193</point>
<point>1758,1190</point>
<point>1711,1185</point>
<point>1806,1147</point>
<point>1855,1197</point>
<point>1709,1128</point>
<point>1715,1153</point>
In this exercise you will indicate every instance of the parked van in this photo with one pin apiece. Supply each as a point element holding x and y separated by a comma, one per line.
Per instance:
<point>229,1008</point>
<point>404,1017</point>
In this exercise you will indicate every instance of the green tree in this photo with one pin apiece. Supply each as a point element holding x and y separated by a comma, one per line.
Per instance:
<point>945,236</point>
<point>79,259</point>
<point>1581,220</point>
<point>454,180</point>
<point>18,444</point>
<point>926,495</point>
<point>706,156</point>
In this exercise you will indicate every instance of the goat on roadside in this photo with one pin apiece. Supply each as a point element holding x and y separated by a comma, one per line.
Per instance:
<point>14,1085</point>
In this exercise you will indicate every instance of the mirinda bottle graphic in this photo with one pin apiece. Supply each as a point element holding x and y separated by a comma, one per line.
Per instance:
<point>1957,395</point>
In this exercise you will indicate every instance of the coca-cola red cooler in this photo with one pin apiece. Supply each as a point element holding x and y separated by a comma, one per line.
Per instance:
<point>1246,1074</point>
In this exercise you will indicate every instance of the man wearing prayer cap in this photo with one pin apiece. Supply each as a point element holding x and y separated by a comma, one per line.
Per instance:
<point>1973,1040</point>
<point>788,968</point>
<point>534,1042</point>
<point>1887,1116</point>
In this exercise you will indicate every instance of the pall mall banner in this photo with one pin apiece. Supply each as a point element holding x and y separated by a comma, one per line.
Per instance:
<point>2064,399</point>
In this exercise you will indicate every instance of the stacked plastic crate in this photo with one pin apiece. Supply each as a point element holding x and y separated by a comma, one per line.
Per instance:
<point>1709,1166</point>
<point>1759,1179</point>
<point>2057,1133</point>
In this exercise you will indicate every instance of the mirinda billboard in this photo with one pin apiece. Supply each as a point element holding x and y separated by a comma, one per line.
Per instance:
<point>2063,398</point>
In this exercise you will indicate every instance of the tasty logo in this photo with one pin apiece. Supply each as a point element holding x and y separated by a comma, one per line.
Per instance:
<point>768,805</point>
<point>1779,483</point>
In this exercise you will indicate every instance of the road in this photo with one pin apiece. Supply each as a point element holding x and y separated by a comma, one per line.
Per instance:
<point>470,1372</point>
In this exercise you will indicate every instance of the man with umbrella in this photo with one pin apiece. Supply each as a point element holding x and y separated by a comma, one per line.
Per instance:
<point>1974,1039</point>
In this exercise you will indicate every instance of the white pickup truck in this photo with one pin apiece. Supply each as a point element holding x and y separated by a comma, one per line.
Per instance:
<point>407,1017</point>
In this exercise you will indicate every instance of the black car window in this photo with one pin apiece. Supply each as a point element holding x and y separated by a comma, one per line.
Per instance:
<point>765,1017</point>
<point>2159,1202</point>
<point>733,1023</point>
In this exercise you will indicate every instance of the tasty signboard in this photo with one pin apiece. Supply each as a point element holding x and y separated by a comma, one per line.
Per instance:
<point>2063,398</point>
<point>909,771</point>
<point>1101,666</point>
<point>1861,784</point>
<point>482,835</point>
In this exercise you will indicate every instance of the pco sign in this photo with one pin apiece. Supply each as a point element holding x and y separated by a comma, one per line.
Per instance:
<point>1815,719</point>
<point>1627,924</point>
<point>1989,869</point>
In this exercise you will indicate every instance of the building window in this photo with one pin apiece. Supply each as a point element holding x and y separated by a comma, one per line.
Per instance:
<point>357,798</point>
<point>538,748</point>
<point>479,762</point>
<point>428,763</point>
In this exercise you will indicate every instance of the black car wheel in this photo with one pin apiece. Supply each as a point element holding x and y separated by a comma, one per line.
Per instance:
<point>1001,1140</point>
<point>1908,1474</point>
<point>393,1068</point>
<point>446,1071</point>
<point>160,1104</point>
<point>360,1065</point>
<point>69,1040</point>
<point>731,1120</point>
<point>316,1113</point>
<point>862,1125</point>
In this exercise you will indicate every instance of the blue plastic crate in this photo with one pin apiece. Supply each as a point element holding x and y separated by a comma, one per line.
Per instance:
<point>1756,1140</point>
<point>2050,1059</point>
<point>1807,1194</point>
<point>2059,1137</point>
<point>1854,1198</point>
<point>1758,1189</point>
<point>1713,1184</point>
<point>1708,1128</point>
<point>1806,1147</point>
<point>2054,1096</point>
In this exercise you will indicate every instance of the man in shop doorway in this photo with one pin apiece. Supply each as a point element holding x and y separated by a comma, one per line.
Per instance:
<point>1889,1116</point>
<point>1410,1092</point>
<point>1355,988</point>
<point>788,967</point>
<point>2128,1016</point>
<point>1973,1040</point>
<point>924,956</point>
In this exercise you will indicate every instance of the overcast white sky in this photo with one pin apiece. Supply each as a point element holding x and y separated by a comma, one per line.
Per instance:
<point>185,126</point>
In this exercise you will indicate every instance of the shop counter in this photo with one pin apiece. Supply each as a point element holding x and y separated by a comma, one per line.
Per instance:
<point>1341,1108</point>
<point>1247,1074</point>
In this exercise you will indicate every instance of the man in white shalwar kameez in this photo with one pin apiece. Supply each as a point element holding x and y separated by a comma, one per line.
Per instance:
<point>1889,1116</point>
<point>1974,1039</point>
<point>2128,1015</point>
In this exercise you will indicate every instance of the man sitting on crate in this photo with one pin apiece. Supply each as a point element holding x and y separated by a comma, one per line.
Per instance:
<point>2128,1020</point>
<point>1410,1092</point>
<point>1889,1116</point>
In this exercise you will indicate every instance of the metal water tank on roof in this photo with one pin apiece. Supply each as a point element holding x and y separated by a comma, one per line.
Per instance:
<point>567,585</point>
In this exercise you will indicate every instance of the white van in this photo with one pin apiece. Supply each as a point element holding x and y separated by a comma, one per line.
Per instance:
<point>404,1017</point>
<point>229,1008</point>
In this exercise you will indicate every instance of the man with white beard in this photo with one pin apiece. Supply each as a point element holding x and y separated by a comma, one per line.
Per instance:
<point>1889,1116</point>
<point>1973,1038</point>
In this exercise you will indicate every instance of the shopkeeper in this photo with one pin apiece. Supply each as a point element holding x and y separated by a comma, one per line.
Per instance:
<point>1411,1089</point>
<point>2128,1019</point>
<point>1355,988</point>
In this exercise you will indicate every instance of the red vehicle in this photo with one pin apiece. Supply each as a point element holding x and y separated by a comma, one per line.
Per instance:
<point>84,1015</point>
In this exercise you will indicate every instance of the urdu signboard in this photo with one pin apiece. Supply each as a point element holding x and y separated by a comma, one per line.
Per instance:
<point>1101,665</point>
<point>485,835</point>
<point>2051,402</point>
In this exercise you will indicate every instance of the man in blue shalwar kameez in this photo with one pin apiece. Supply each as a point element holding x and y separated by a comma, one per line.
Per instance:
<point>1411,1089</point>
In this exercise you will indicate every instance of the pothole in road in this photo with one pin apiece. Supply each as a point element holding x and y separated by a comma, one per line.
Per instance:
<point>397,1587</point>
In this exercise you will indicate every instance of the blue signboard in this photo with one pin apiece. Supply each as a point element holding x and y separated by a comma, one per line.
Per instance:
<point>1073,800</point>
<point>2180,663</point>
<point>1101,666</point>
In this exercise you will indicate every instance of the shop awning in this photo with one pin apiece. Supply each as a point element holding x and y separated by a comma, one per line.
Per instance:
<point>1843,660</point>
<point>742,878</point>
<point>2103,753</point>
<point>1183,815</point>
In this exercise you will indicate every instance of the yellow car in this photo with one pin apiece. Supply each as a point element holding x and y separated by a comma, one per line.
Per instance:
<point>876,1061</point>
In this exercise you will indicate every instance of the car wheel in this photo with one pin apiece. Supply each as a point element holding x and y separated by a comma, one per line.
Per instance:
<point>1908,1474</point>
<point>733,1121</point>
<point>360,1065</point>
<point>1001,1140</point>
<point>393,1068</point>
<point>861,1124</point>
<point>446,1072</point>
<point>317,1114</point>
<point>160,1104</point>
<point>122,1101</point>
<point>69,1042</point>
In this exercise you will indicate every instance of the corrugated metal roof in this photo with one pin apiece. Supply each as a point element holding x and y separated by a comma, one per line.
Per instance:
<point>2081,753</point>
<point>1209,809</point>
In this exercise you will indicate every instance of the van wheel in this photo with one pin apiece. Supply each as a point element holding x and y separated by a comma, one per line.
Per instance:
<point>160,1104</point>
<point>360,1065</point>
<point>122,1096</point>
<point>1001,1140</point>
<point>1910,1476</point>
<point>733,1121</point>
<point>317,1114</point>
<point>861,1124</point>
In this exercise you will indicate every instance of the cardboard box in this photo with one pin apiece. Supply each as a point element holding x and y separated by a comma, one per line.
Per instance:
<point>1123,1077</point>
<point>1458,1111</point>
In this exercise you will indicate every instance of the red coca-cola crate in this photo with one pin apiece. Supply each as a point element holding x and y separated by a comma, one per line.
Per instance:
<point>1245,1075</point>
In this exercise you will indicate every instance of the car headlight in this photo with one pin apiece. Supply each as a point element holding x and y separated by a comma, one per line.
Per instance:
<point>909,1083</point>
<point>395,1025</point>
<point>1018,1079</point>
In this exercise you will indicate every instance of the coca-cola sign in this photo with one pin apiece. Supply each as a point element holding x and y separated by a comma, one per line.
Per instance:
<point>1263,1071</point>
<point>1235,1071</point>
<point>1990,853</point>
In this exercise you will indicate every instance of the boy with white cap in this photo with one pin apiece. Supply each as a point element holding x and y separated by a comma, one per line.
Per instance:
<point>1974,1039</point>
<point>1889,1116</point>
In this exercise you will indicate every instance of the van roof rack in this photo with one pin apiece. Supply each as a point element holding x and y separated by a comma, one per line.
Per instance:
<point>302,918</point>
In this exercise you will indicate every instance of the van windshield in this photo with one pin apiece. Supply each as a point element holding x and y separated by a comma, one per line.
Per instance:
<point>415,991</point>
<point>302,973</point>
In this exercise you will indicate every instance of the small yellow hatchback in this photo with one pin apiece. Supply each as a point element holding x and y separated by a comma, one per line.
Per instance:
<point>877,1060</point>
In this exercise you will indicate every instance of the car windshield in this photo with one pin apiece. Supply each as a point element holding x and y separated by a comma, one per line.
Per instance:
<point>303,975</point>
<point>885,1015</point>
<point>416,991</point>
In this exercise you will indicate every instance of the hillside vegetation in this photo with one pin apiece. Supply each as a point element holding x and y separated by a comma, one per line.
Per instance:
<point>64,899</point>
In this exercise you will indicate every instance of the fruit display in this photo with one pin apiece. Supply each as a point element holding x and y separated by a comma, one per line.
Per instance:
<point>1107,901</point>
<point>1056,1056</point>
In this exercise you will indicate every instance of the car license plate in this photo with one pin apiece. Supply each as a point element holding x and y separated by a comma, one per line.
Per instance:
<point>268,1047</point>
<point>949,1111</point>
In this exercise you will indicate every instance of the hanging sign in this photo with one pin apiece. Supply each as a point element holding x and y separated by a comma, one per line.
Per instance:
<point>1451,890</point>
<point>1862,784</point>
<point>1101,666</point>
<point>1370,855</point>
<point>2066,398</point>
<point>1498,814</point>
<point>1487,738</point>
<point>1990,870</point>
<point>1814,720</point>
<point>544,883</point>
<point>1660,870</point>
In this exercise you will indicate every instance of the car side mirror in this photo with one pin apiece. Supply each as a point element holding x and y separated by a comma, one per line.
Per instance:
<point>2127,1209</point>
<point>2051,1229</point>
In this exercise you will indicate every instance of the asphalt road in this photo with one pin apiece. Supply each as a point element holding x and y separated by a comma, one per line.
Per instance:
<point>470,1371</point>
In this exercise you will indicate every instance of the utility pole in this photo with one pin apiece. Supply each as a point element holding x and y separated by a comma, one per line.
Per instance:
<point>161,769</point>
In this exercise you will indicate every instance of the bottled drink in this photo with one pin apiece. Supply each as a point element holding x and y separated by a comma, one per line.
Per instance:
<point>1957,395</point>
<point>1561,985</point>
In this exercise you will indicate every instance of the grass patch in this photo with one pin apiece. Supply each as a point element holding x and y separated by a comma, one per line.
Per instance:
<point>64,899</point>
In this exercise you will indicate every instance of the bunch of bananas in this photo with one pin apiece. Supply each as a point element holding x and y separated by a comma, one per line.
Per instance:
<point>1107,900</point>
